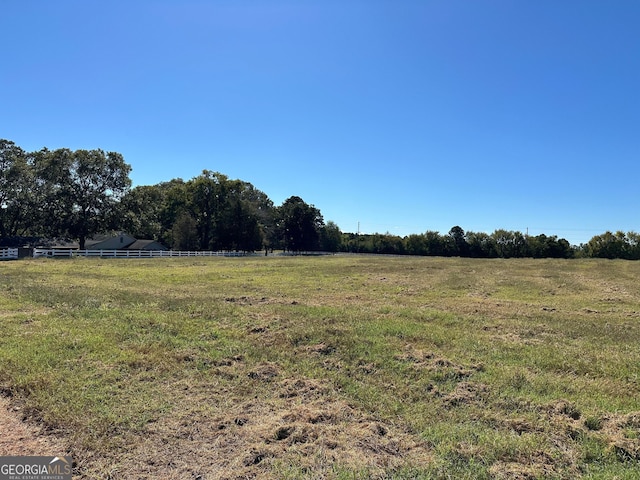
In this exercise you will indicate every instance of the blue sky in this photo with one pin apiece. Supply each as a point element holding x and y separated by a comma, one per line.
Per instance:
<point>398,116</point>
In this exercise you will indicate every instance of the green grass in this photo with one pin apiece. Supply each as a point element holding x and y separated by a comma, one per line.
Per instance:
<point>371,366</point>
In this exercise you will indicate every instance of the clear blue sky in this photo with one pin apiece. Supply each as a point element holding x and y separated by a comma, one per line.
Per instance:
<point>404,116</point>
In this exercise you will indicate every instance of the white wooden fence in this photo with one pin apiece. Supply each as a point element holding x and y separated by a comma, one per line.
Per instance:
<point>8,253</point>
<point>53,252</point>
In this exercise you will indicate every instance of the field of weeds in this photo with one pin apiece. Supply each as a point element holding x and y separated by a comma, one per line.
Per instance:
<point>344,367</point>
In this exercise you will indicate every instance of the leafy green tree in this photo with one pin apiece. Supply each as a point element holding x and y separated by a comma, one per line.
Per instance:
<point>351,242</point>
<point>141,211</point>
<point>607,245</point>
<point>481,245</point>
<point>365,243</point>
<point>16,182</point>
<point>509,244</point>
<point>299,225</point>
<point>207,196</point>
<point>330,237</point>
<point>85,187</point>
<point>261,208</point>
<point>434,243</point>
<point>50,171</point>
<point>174,202</point>
<point>245,218</point>
<point>415,244</point>
<point>542,246</point>
<point>564,249</point>
<point>184,233</point>
<point>393,245</point>
<point>382,243</point>
<point>633,245</point>
<point>229,214</point>
<point>244,230</point>
<point>537,247</point>
<point>457,245</point>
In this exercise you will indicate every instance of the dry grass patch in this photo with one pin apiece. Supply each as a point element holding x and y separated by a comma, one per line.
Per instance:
<point>22,438</point>
<point>301,426</point>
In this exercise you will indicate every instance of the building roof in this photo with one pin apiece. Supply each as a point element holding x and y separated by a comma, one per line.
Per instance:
<point>146,245</point>
<point>121,241</point>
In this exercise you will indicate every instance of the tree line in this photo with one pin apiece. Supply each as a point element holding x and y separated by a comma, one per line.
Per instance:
<point>499,244</point>
<point>458,243</point>
<point>55,194</point>
<point>65,194</point>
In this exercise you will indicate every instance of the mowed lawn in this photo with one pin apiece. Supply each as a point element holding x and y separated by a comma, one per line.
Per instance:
<point>342,367</point>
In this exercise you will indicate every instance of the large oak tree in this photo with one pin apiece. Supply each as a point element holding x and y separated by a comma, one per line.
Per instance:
<point>299,225</point>
<point>84,189</point>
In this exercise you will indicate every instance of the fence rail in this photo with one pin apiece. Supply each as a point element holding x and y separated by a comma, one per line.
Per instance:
<point>8,253</point>
<point>53,252</point>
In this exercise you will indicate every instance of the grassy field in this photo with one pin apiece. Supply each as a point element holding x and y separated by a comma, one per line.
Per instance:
<point>345,367</point>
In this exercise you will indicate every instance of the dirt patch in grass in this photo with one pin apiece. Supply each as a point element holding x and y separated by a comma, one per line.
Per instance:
<point>302,427</point>
<point>265,371</point>
<point>465,393</point>
<point>535,469</point>
<point>565,426</point>
<point>432,362</point>
<point>622,434</point>
<point>20,437</point>
<point>320,349</point>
